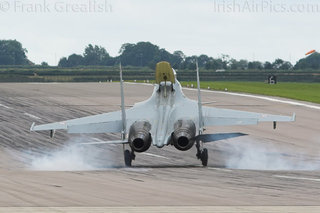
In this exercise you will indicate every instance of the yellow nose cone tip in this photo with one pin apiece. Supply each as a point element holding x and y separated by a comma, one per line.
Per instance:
<point>164,72</point>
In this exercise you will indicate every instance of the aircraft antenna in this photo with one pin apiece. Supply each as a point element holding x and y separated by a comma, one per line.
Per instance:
<point>199,101</point>
<point>123,110</point>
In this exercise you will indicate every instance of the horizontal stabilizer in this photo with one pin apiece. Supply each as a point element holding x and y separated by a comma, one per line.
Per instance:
<point>95,128</point>
<point>52,126</point>
<point>227,121</point>
<point>105,142</point>
<point>227,117</point>
<point>217,137</point>
<point>102,123</point>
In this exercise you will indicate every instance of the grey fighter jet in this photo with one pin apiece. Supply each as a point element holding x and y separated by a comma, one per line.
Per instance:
<point>166,118</point>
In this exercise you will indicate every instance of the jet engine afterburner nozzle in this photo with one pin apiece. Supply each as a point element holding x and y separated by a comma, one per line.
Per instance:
<point>184,134</point>
<point>139,136</point>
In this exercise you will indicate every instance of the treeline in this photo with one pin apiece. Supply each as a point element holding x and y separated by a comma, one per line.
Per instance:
<point>146,54</point>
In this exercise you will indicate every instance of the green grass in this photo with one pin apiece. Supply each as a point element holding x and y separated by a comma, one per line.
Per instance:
<point>299,91</point>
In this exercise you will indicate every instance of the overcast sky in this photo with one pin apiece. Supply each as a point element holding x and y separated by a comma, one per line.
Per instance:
<point>253,29</point>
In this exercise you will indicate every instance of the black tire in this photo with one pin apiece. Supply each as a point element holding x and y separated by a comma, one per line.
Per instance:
<point>127,158</point>
<point>204,157</point>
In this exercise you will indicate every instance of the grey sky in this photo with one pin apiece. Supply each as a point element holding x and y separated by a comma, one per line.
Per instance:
<point>253,29</point>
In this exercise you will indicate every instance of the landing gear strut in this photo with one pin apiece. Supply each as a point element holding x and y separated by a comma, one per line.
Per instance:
<point>202,153</point>
<point>128,157</point>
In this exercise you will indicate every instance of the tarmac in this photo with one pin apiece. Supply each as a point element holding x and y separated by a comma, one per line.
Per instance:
<point>266,171</point>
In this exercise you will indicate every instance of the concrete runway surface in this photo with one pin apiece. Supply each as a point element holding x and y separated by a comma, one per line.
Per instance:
<point>268,170</point>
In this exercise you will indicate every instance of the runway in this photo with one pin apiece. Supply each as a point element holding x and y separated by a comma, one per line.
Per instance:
<point>266,168</point>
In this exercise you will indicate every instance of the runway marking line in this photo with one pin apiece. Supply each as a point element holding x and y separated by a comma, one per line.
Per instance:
<point>249,96</point>
<point>296,178</point>
<point>4,106</point>
<point>263,98</point>
<point>31,116</point>
<point>220,169</point>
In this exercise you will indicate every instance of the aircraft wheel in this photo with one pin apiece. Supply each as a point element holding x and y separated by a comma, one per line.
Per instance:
<point>127,158</point>
<point>204,157</point>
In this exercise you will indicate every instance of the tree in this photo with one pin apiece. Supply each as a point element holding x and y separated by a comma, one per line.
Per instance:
<point>238,65</point>
<point>141,54</point>
<point>75,60</point>
<point>233,64</point>
<point>215,64</point>
<point>124,47</point>
<point>226,61</point>
<point>203,60</point>
<point>163,55</point>
<point>179,54</point>
<point>148,54</point>
<point>280,64</point>
<point>63,62</point>
<point>243,64</point>
<point>178,58</point>
<point>267,65</point>
<point>277,64</point>
<point>310,62</point>
<point>44,64</point>
<point>255,65</point>
<point>12,53</point>
<point>95,55</point>
<point>286,66</point>
<point>189,63</point>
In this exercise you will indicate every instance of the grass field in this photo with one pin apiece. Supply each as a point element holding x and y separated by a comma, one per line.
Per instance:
<point>299,91</point>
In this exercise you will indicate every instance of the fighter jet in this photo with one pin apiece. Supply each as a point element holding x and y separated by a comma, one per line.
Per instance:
<point>167,118</point>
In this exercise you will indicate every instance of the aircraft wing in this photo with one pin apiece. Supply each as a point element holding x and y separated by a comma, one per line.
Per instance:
<point>227,117</point>
<point>102,123</point>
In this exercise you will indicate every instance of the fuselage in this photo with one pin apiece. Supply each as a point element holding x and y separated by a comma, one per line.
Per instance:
<point>172,116</point>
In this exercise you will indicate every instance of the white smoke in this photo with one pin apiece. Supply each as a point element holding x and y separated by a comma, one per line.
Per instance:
<point>72,157</point>
<point>254,155</point>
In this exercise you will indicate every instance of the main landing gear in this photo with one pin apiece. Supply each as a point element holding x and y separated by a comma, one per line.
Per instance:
<point>128,157</point>
<point>202,153</point>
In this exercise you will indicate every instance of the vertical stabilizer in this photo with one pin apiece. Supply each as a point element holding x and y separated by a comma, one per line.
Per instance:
<point>199,101</point>
<point>164,73</point>
<point>123,110</point>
